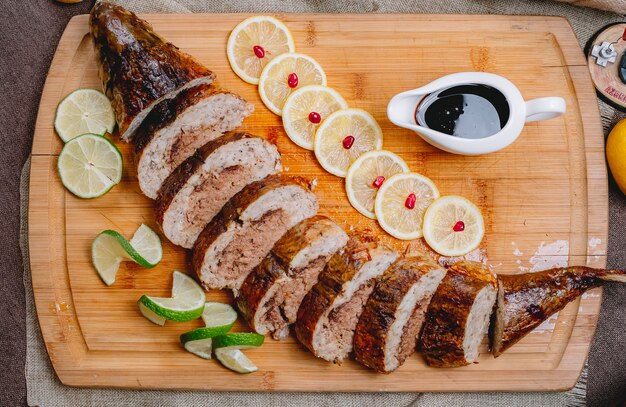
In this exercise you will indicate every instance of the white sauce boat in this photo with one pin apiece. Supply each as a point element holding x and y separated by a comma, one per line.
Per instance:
<point>401,112</point>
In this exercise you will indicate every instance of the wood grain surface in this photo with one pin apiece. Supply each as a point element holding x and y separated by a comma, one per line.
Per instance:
<point>544,200</point>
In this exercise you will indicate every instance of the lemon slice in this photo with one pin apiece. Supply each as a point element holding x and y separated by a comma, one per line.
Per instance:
<point>89,166</point>
<point>367,174</point>
<point>109,249</point>
<point>343,137</point>
<point>286,73</point>
<point>84,111</point>
<point>185,304</point>
<point>254,43</point>
<point>306,108</point>
<point>453,226</point>
<point>401,202</point>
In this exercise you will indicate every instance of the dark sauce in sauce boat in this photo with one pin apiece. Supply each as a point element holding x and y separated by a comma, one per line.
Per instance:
<point>467,111</point>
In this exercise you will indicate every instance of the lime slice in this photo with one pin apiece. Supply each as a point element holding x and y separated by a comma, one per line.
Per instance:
<point>107,253</point>
<point>199,340</point>
<point>239,340</point>
<point>203,333</point>
<point>185,304</point>
<point>150,315</point>
<point>90,165</point>
<point>217,314</point>
<point>147,247</point>
<point>200,347</point>
<point>219,318</point>
<point>109,249</point>
<point>84,111</point>
<point>234,359</point>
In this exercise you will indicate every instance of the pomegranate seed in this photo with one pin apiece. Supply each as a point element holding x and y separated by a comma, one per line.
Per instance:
<point>348,142</point>
<point>315,117</point>
<point>259,51</point>
<point>378,181</point>
<point>410,201</point>
<point>292,80</point>
<point>459,226</point>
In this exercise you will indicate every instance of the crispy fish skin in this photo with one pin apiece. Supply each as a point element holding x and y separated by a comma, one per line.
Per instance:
<point>526,300</point>
<point>260,284</point>
<point>138,67</point>
<point>443,339</point>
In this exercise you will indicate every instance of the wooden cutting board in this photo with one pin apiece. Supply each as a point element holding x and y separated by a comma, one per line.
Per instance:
<point>544,200</point>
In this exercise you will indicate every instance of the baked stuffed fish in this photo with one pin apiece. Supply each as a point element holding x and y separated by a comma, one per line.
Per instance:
<point>457,318</point>
<point>271,295</point>
<point>390,325</point>
<point>329,313</point>
<point>245,230</point>
<point>137,67</point>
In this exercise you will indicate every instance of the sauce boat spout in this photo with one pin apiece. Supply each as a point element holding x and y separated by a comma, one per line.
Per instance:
<point>401,108</point>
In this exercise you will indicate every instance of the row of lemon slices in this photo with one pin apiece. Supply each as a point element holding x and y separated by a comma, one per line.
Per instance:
<point>348,142</point>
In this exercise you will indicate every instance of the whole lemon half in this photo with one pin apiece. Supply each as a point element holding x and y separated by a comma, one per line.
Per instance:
<point>616,154</point>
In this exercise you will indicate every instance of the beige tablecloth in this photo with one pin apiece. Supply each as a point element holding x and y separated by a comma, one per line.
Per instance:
<point>42,385</point>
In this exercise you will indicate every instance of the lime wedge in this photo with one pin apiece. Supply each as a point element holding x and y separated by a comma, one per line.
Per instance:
<point>219,318</point>
<point>185,304</point>
<point>203,333</point>
<point>107,253</point>
<point>217,314</point>
<point>199,340</point>
<point>147,247</point>
<point>84,111</point>
<point>234,359</point>
<point>239,340</point>
<point>150,315</point>
<point>90,165</point>
<point>109,249</point>
<point>200,347</point>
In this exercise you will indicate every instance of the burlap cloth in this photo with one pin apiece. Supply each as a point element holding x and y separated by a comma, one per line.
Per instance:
<point>22,71</point>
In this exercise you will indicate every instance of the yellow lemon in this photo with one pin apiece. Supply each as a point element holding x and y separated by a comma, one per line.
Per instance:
<point>401,202</point>
<point>616,154</point>
<point>453,226</point>
<point>254,43</point>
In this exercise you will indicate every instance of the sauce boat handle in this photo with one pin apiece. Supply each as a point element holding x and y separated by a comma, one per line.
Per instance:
<point>544,108</point>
